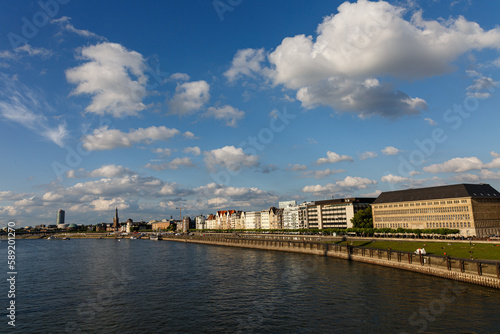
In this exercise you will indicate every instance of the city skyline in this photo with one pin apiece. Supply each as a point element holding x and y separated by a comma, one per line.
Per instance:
<point>212,105</point>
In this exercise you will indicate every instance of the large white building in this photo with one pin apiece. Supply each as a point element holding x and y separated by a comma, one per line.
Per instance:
<point>200,222</point>
<point>252,220</point>
<point>334,213</point>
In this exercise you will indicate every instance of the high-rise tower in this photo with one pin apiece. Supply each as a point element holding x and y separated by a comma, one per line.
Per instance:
<point>60,217</point>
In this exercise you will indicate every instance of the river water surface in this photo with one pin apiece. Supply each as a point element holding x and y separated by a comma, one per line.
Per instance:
<point>143,286</point>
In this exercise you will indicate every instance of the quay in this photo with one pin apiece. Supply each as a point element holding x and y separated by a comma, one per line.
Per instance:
<point>479,272</point>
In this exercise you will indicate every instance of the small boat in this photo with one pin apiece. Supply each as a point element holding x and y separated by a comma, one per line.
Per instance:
<point>52,238</point>
<point>65,238</point>
<point>153,237</point>
<point>133,238</point>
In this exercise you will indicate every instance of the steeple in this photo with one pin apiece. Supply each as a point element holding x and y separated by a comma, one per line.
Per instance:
<point>116,221</point>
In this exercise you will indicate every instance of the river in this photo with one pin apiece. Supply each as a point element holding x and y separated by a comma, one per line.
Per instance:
<point>143,286</point>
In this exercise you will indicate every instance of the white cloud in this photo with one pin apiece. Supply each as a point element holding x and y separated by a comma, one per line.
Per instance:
<point>349,185</point>
<point>107,139</point>
<point>495,154</point>
<point>65,24</point>
<point>297,167</point>
<point>332,157</point>
<point>26,49</point>
<point>230,157</point>
<point>367,155</point>
<point>215,195</point>
<point>394,179</point>
<point>364,43</point>
<point>482,86</point>
<point>321,174</point>
<point>25,106</point>
<point>430,121</point>
<point>179,77</point>
<point>174,164</point>
<point>189,135</point>
<point>463,178</point>
<point>489,175</point>
<point>32,51</point>
<point>189,98</point>
<point>113,76</point>
<point>229,114</point>
<point>111,171</point>
<point>163,152</point>
<point>246,62</point>
<point>455,165</point>
<point>391,150</point>
<point>195,150</point>
<point>108,171</point>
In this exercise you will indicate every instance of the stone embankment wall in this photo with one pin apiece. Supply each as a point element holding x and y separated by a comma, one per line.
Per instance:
<point>481,272</point>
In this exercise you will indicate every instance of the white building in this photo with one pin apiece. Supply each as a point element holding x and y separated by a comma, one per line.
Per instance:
<point>264,219</point>
<point>252,220</point>
<point>200,222</point>
<point>291,217</point>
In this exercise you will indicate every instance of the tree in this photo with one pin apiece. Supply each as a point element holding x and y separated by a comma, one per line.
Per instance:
<point>363,218</point>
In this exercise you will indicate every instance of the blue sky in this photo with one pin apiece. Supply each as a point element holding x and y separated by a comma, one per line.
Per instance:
<point>210,105</point>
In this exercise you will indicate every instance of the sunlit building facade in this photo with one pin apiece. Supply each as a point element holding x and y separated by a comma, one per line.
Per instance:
<point>473,209</point>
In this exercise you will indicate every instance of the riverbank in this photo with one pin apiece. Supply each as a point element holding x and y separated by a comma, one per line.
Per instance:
<point>480,272</point>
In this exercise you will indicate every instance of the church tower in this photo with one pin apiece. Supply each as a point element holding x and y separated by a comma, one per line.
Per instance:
<point>116,221</point>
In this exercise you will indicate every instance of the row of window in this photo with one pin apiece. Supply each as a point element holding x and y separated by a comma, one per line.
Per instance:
<point>379,219</point>
<point>423,211</point>
<point>420,203</point>
<point>428,225</point>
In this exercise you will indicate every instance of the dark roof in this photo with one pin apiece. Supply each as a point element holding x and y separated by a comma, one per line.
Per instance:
<point>452,191</point>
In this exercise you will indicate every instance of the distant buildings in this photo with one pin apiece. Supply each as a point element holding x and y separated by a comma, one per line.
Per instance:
<point>473,209</point>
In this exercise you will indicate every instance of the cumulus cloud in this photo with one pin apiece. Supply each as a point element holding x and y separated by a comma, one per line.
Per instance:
<point>321,174</point>
<point>227,113</point>
<point>455,165</point>
<point>349,185</point>
<point>463,178</point>
<point>482,86</point>
<point>360,51</point>
<point>297,167</point>
<point>174,164</point>
<point>111,171</point>
<point>394,179</point>
<point>107,139</point>
<point>189,135</point>
<point>216,194</point>
<point>113,76</point>
<point>332,157</point>
<point>163,152</point>
<point>246,62</point>
<point>368,155</point>
<point>229,157</point>
<point>391,150</point>
<point>189,98</point>
<point>104,171</point>
<point>179,77</point>
<point>195,150</point>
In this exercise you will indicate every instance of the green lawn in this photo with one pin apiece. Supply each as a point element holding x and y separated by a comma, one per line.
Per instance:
<point>460,250</point>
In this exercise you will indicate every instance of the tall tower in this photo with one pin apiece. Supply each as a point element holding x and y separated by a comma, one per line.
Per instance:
<point>60,217</point>
<point>116,221</point>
